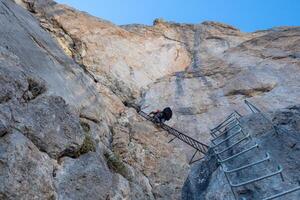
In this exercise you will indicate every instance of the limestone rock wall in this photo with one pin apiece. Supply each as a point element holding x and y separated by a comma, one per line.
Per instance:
<point>65,74</point>
<point>59,124</point>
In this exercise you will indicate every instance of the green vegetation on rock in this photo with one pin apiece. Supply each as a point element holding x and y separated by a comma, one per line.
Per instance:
<point>115,163</point>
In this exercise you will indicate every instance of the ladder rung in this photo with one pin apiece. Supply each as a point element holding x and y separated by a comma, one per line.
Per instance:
<point>249,165</point>
<point>238,154</point>
<point>224,121</point>
<point>228,138</point>
<point>256,179</point>
<point>224,132</point>
<point>187,139</point>
<point>213,134</point>
<point>282,193</point>
<point>224,125</point>
<point>229,126</point>
<point>238,113</point>
<point>236,143</point>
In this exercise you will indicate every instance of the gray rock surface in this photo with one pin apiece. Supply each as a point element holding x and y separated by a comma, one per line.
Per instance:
<point>25,172</point>
<point>64,75</point>
<point>51,125</point>
<point>87,177</point>
<point>37,126</point>
<point>36,51</point>
<point>46,120</point>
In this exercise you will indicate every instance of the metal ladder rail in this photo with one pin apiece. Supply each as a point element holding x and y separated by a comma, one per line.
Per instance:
<point>198,146</point>
<point>225,131</point>
<point>219,129</point>
<point>234,185</point>
<point>252,107</point>
<point>247,137</point>
<point>283,193</point>
<point>201,147</point>
<point>222,162</point>
<point>226,119</point>
<point>267,158</point>
<point>255,109</point>
<point>279,171</point>
<point>237,154</point>
<point>226,176</point>
<point>231,116</point>
<point>227,138</point>
<point>216,133</point>
<point>226,171</point>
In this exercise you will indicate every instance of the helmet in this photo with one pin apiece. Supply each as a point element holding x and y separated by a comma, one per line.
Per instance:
<point>167,113</point>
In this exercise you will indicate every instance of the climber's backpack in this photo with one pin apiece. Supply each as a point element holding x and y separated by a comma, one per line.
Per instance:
<point>167,113</point>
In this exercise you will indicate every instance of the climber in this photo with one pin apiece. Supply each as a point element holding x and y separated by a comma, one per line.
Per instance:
<point>161,116</point>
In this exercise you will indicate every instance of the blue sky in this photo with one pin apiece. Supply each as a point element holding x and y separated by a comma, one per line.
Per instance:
<point>247,15</point>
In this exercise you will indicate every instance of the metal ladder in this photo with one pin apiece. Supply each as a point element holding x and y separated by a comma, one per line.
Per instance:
<point>195,144</point>
<point>230,134</point>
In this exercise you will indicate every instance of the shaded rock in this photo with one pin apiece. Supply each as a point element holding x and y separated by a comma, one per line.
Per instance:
<point>199,177</point>
<point>124,189</point>
<point>282,147</point>
<point>25,172</point>
<point>86,177</point>
<point>13,80</point>
<point>51,125</point>
<point>121,189</point>
<point>4,129</point>
<point>47,121</point>
<point>136,182</point>
<point>99,131</point>
<point>35,88</point>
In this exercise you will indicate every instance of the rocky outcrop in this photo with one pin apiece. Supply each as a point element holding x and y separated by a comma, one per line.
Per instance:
<point>52,126</point>
<point>87,175</point>
<point>32,48</point>
<point>39,129</point>
<point>207,181</point>
<point>25,172</point>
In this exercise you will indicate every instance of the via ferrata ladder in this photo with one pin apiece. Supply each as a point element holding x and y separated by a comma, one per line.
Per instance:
<point>230,134</point>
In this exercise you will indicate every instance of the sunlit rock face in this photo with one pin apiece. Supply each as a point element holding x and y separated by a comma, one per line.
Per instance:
<point>65,75</point>
<point>121,58</point>
<point>262,67</point>
<point>198,70</point>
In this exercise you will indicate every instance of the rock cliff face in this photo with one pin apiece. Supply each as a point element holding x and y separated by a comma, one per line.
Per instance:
<point>64,130</point>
